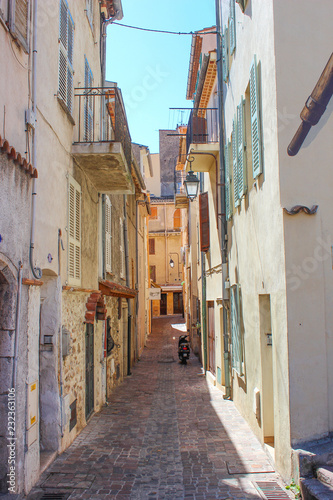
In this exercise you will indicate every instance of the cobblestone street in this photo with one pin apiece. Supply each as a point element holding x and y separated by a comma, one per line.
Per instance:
<point>165,434</point>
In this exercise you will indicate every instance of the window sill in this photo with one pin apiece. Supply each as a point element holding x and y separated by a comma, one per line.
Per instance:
<point>65,109</point>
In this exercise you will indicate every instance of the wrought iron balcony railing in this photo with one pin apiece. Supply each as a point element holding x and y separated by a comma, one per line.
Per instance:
<point>101,117</point>
<point>203,127</point>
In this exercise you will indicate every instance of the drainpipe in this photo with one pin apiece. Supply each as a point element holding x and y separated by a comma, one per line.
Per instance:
<point>129,305</point>
<point>137,276</point>
<point>224,232</point>
<point>36,271</point>
<point>203,302</point>
<point>17,326</point>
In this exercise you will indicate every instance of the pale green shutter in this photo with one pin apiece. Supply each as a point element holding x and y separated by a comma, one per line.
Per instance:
<point>108,235</point>
<point>74,232</point>
<point>232,27</point>
<point>225,56</point>
<point>234,162</point>
<point>241,158</point>
<point>228,201</point>
<point>236,338</point>
<point>255,120</point>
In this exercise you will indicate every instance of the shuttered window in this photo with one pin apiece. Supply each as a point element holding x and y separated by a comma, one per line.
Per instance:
<point>153,213</point>
<point>234,162</point>
<point>152,272</point>
<point>225,55</point>
<point>108,236</point>
<point>236,335</point>
<point>66,45</point>
<point>151,246</point>
<point>74,232</point>
<point>204,222</point>
<point>122,249</point>
<point>232,27</point>
<point>19,21</point>
<point>228,200</point>
<point>255,120</point>
<point>88,102</point>
<point>241,157</point>
<point>89,10</point>
<point>176,219</point>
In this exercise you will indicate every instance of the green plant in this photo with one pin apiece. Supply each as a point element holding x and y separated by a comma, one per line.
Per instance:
<point>294,488</point>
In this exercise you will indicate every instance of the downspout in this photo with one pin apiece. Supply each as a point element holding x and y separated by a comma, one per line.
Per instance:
<point>137,276</point>
<point>224,231</point>
<point>17,326</point>
<point>36,271</point>
<point>203,304</point>
<point>129,309</point>
<point>166,245</point>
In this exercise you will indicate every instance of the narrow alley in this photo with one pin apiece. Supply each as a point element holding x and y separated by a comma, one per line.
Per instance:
<point>165,434</point>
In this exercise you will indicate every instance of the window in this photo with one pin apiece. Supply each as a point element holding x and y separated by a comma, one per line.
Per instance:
<point>18,13</point>
<point>204,222</point>
<point>257,165</point>
<point>153,213</point>
<point>108,232</point>
<point>225,55</point>
<point>88,104</point>
<point>238,154</point>
<point>89,11</point>
<point>177,219</point>
<point>228,198</point>
<point>152,272</point>
<point>74,232</point>
<point>122,249</point>
<point>236,332</point>
<point>232,27</point>
<point>151,246</point>
<point>66,43</point>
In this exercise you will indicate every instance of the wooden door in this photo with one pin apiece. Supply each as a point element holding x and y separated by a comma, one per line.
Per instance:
<point>163,307</point>
<point>211,337</point>
<point>89,369</point>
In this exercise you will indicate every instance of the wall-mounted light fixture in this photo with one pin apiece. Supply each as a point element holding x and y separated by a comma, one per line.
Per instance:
<point>191,182</point>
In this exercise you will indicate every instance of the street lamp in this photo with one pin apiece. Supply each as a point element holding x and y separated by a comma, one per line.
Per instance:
<point>191,182</point>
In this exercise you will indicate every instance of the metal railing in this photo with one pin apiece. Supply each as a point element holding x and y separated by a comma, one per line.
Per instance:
<point>101,117</point>
<point>203,126</point>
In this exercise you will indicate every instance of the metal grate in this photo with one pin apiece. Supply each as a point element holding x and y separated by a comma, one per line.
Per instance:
<point>54,496</point>
<point>271,490</point>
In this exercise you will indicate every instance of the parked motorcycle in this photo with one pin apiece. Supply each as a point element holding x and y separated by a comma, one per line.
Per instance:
<point>183,348</point>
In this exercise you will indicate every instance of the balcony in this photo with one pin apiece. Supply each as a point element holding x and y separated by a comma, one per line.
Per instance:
<point>102,145</point>
<point>181,200</point>
<point>203,137</point>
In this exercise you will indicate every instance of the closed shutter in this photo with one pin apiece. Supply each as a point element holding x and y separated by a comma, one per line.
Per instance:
<point>18,21</point>
<point>122,249</point>
<point>204,222</point>
<point>232,27</point>
<point>234,162</point>
<point>88,105</point>
<point>176,219</point>
<point>255,120</point>
<point>108,235</point>
<point>228,201</point>
<point>236,339</point>
<point>66,46</point>
<point>89,9</point>
<point>74,232</point>
<point>225,56</point>
<point>241,158</point>
<point>152,272</point>
<point>151,246</point>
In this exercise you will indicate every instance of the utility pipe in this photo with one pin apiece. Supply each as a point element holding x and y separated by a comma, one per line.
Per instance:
<point>17,325</point>
<point>224,232</point>
<point>36,271</point>
<point>137,276</point>
<point>129,305</point>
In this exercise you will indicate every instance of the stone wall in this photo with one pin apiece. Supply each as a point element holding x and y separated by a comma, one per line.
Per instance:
<point>169,149</point>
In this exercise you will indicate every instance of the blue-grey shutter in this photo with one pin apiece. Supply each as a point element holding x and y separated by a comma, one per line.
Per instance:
<point>228,201</point>
<point>88,112</point>
<point>255,120</point>
<point>236,339</point>
<point>225,56</point>
<point>232,27</point>
<point>241,158</point>
<point>66,45</point>
<point>234,162</point>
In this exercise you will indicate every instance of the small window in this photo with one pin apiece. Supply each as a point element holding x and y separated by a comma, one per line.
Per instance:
<point>153,213</point>
<point>66,45</point>
<point>73,417</point>
<point>177,219</point>
<point>151,246</point>
<point>74,232</point>
<point>108,235</point>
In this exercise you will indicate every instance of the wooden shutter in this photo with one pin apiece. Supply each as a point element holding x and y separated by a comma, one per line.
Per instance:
<point>153,213</point>
<point>151,246</point>
<point>152,270</point>
<point>108,235</point>
<point>241,158</point>
<point>232,27</point>
<point>204,222</point>
<point>228,200</point>
<point>176,219</point>
<point>66,46</point>
<point>122,249</point>
<point>19,17</point>
<point>236,338</point>
<point>74,232</point>
<point>225,55</point>
<point>255,120</point>
<point>234,162</point>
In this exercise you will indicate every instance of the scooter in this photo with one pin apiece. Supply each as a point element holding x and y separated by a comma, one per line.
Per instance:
<point>183,349</point>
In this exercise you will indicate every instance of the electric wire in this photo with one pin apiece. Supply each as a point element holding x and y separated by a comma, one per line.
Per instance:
<point>165,31</point>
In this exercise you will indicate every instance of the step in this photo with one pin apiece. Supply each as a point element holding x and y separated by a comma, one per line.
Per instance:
<point>312,489</point>
<point>325,475</point>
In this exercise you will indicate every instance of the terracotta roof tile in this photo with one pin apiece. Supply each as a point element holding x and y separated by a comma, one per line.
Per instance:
<point>17,158</point>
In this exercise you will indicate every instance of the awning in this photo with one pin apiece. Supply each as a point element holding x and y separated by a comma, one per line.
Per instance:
<point>115,290</point>
<point>172,288</point>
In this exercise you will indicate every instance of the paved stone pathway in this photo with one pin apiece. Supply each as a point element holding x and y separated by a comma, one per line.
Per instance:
<point>166,434</point>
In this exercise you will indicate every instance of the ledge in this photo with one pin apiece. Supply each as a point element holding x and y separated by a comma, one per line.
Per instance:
<point>29,282</point>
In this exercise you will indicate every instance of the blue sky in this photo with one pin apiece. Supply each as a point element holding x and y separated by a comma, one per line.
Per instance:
<point>151,68</point>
